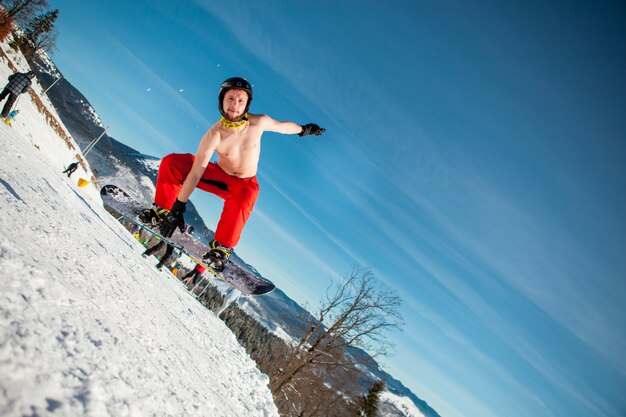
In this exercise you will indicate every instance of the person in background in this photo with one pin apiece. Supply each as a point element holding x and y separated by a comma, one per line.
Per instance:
<point>70,169</point>
<point>166,256</point>
<point>193,275</point>
<point>19,83</point>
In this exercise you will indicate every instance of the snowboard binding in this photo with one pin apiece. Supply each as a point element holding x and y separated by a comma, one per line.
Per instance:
<point>218,256</point>
<point>152,216</point>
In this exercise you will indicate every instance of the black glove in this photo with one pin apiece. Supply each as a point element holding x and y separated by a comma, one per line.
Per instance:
<point>311,129</point>
<point>173,219</point>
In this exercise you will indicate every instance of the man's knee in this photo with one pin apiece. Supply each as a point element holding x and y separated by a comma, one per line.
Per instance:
<point>177,164</point>
<point>167,160</point>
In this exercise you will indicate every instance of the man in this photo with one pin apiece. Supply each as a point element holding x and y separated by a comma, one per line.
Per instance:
<point>169,251</point>
<point>19,83</point>
<point>70,169</point>
<point>236,138</point>
<point>193,275</point>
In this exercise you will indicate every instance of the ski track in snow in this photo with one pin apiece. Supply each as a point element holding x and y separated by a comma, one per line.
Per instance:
<point>87,326</point>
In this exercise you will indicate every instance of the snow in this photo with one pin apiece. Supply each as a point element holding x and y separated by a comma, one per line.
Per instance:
<point>151,164</point>
<point>49,66</point>
<point>91,114</point>
<point>400,403</point>
<point>87,326</point>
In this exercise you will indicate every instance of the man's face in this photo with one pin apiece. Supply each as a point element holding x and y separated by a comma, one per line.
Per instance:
<point>234,104</point>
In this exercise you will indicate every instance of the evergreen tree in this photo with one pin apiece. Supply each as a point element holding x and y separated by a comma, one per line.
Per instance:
<point>39,33</point>
<point>368,406</point>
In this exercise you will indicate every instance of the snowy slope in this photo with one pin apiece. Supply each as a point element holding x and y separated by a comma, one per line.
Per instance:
<point>87,326</point>
<point>277,312</point>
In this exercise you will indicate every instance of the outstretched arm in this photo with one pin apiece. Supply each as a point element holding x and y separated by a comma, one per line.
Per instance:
<point>289,128</point>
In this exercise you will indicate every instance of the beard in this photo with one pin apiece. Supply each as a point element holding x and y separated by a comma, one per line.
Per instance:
<point>235,119</point>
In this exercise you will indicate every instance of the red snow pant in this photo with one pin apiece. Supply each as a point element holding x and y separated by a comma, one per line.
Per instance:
<point>239,194</point>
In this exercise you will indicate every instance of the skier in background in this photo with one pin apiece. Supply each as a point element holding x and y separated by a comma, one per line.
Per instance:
<point>166,256</point>
<point>193,275</point>
<point>236,139</point>
<point>70,169</point>
<point>19,83</point>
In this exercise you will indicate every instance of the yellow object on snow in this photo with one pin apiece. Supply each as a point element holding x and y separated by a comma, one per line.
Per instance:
<point>82,182</point>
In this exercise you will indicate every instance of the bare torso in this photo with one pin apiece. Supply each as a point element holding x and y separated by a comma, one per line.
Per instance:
<point>239,148</point>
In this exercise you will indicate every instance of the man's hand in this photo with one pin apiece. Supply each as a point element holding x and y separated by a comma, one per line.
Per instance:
<point>173,219</point>
<point>311,129</point>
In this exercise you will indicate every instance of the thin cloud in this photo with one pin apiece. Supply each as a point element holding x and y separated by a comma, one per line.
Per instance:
<point>316,223</point>
<point>294,243</point>
<point>453,280</point>
<point>172,92</point>
<point>141,121</point>
<point>523,250</point>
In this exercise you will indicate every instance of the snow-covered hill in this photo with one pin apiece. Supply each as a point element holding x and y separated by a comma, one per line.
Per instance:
<point>87,326</point>
<point>117,163</point>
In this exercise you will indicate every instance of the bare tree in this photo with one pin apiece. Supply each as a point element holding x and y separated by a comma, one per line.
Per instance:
<point>355,313</point>
<point>308,394</point>
<point>20,11</point>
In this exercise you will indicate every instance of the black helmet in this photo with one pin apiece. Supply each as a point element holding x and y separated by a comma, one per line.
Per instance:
<point>229,84</point>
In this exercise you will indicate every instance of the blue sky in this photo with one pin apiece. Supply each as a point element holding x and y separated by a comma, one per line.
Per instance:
<point>474,160</point>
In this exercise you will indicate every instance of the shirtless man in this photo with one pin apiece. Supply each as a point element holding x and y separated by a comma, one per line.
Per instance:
<point>236,139</point>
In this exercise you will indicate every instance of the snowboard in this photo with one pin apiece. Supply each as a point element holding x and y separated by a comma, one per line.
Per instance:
<point>235,275</point>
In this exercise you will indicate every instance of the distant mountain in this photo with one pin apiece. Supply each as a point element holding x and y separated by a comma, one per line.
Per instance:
<point>122,165</point>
